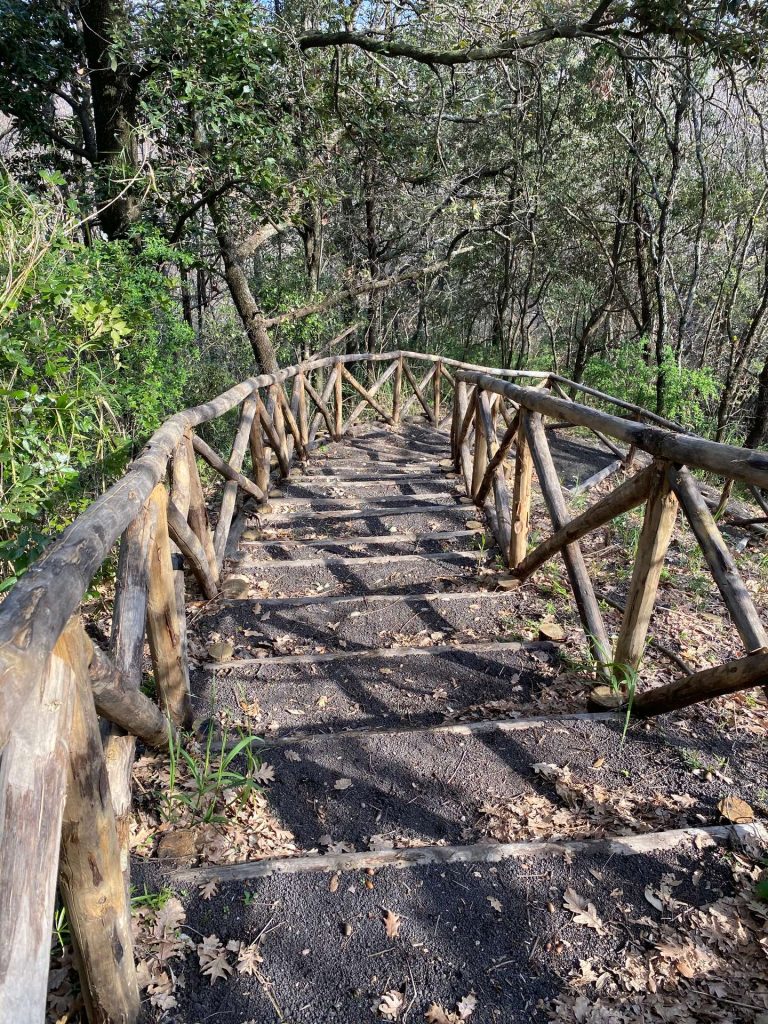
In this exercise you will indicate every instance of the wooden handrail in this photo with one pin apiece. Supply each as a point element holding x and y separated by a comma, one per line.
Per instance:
<point>48,705</point>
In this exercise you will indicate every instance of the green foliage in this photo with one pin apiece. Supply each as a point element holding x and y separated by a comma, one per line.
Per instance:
<point>688,392</point>
<point>92,358</point>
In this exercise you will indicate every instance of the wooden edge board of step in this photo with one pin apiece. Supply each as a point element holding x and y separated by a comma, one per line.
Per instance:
<point>359,504</point>
<point>364,540</point>
<point>361,481</point>
<point>374,511</point>
<point>482,647</point>
<point>296,563</point>
<point>441,728</point>
<point>478,853</point>
<point>369,599</point>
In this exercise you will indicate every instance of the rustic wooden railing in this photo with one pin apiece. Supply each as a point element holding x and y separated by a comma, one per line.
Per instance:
<point>70,712</point>
<point>663,485</point>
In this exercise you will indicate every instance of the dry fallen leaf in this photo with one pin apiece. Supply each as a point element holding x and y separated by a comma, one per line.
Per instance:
<point>209,889</point>
<point>736,810</point>
<point>436,1015</point>
<point>265,774</point>
<point>342,783</point>
<point>466,1006</point>
<point>392,924</point>
<point>390,1004</point>
<point>496,904</point>
<point>584,913</point>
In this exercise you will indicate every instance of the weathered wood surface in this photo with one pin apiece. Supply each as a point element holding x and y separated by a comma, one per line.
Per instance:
<point>198,513</point>
<point>366,395</point>
<point>35,762</point>
<point>581,585</point>
<point>322,408</point>
<point>229,497</point>
<point>746,464</point>
<point>129,616</point>
<point>726,575</point>
<point>480,457</point>
<point>90,871</point>
<point>276,441</point>
<point>397,392</point>
<point>509,438</point>
<point>626,496</point>
<point>163,626</point>
<point>710,682</point>
<point>478,853</point>
<point>338,402</point>
<point>125,705</point>
<point>224,469</point>
<point>521,498</point>
<point>655,535</point>
<point>259,454</point>
<point>596,478</point>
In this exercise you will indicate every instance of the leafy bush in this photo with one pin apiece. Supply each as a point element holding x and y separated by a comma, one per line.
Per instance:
<point>93,355</point>
<point>687,392</point>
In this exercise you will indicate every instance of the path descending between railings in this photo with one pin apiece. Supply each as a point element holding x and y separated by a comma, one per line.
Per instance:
<point>359,626</point>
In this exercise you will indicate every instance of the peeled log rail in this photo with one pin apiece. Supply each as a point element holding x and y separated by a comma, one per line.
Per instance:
<point>417,391</point>
<point>507,441</point>
<point>229,497</point>
<point>90,871</point>
<point>581,584</point>
<point>628,495</point>
<point>366,395</point>
<point>375,387</point>
<point>710,682</point>
<point>216,462</point>
<point>125,706</point>
<point>655,535</point>
<point>163,626</point>
<point>722,566</point>
<point>198,514</point>
<point>744,464</point>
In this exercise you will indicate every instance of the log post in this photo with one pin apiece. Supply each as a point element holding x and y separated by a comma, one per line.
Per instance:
<point>125,706</point>
<point>216,462</point>
<point>437,384</point>
<point>259,456</point>
<point>581,585</point>
<point>500,454</point>
<point>737,600</point>
<point>33,779</point>
<point>521,498</point>
<point>273,437</point>
<point>459,408</point>
<point>129,616</point>
<point>300,391</point>
<point>656,533</point>
<point>198,513</point>
<point>338,397</point>
<point>180,497</point>
<point>321,408</point>
<point>193,552</point>
<point>90,872</point>
<point>480,461</point>
<point>397,394</point>
<point>275,414</point>
<point>325,396</point>
<point>163,627</point>
<point>229,497</point>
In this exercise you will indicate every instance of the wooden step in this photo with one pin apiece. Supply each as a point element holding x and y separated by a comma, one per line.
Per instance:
<point>364,540</point>
<point>294,563</point>
<point>370,512</point>
<point>356,654</point>
<point>488,853</point>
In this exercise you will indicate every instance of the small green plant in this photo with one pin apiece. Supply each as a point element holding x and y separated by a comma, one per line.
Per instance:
<point>151,900</point>
<point>691,760</point>
<point>61,937</point>
<point>209,773</point>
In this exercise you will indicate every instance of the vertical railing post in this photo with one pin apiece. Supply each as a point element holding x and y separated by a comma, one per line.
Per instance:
<point>163,626</point>
<point>259,454</point>
<point>90,871</point>
<point>655,535</point>
<point>437,384</point>
<point>521,497</point>
<point>129,617</point>
<point>338,401</point>
<point>480,461</point>
<point>397,394</point>
<point>198,514</point>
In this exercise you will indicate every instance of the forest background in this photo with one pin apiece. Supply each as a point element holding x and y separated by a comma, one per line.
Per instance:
<point>192,192</point>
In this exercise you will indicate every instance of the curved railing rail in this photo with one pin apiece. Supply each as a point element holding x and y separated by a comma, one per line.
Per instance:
<point>70,712</point>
